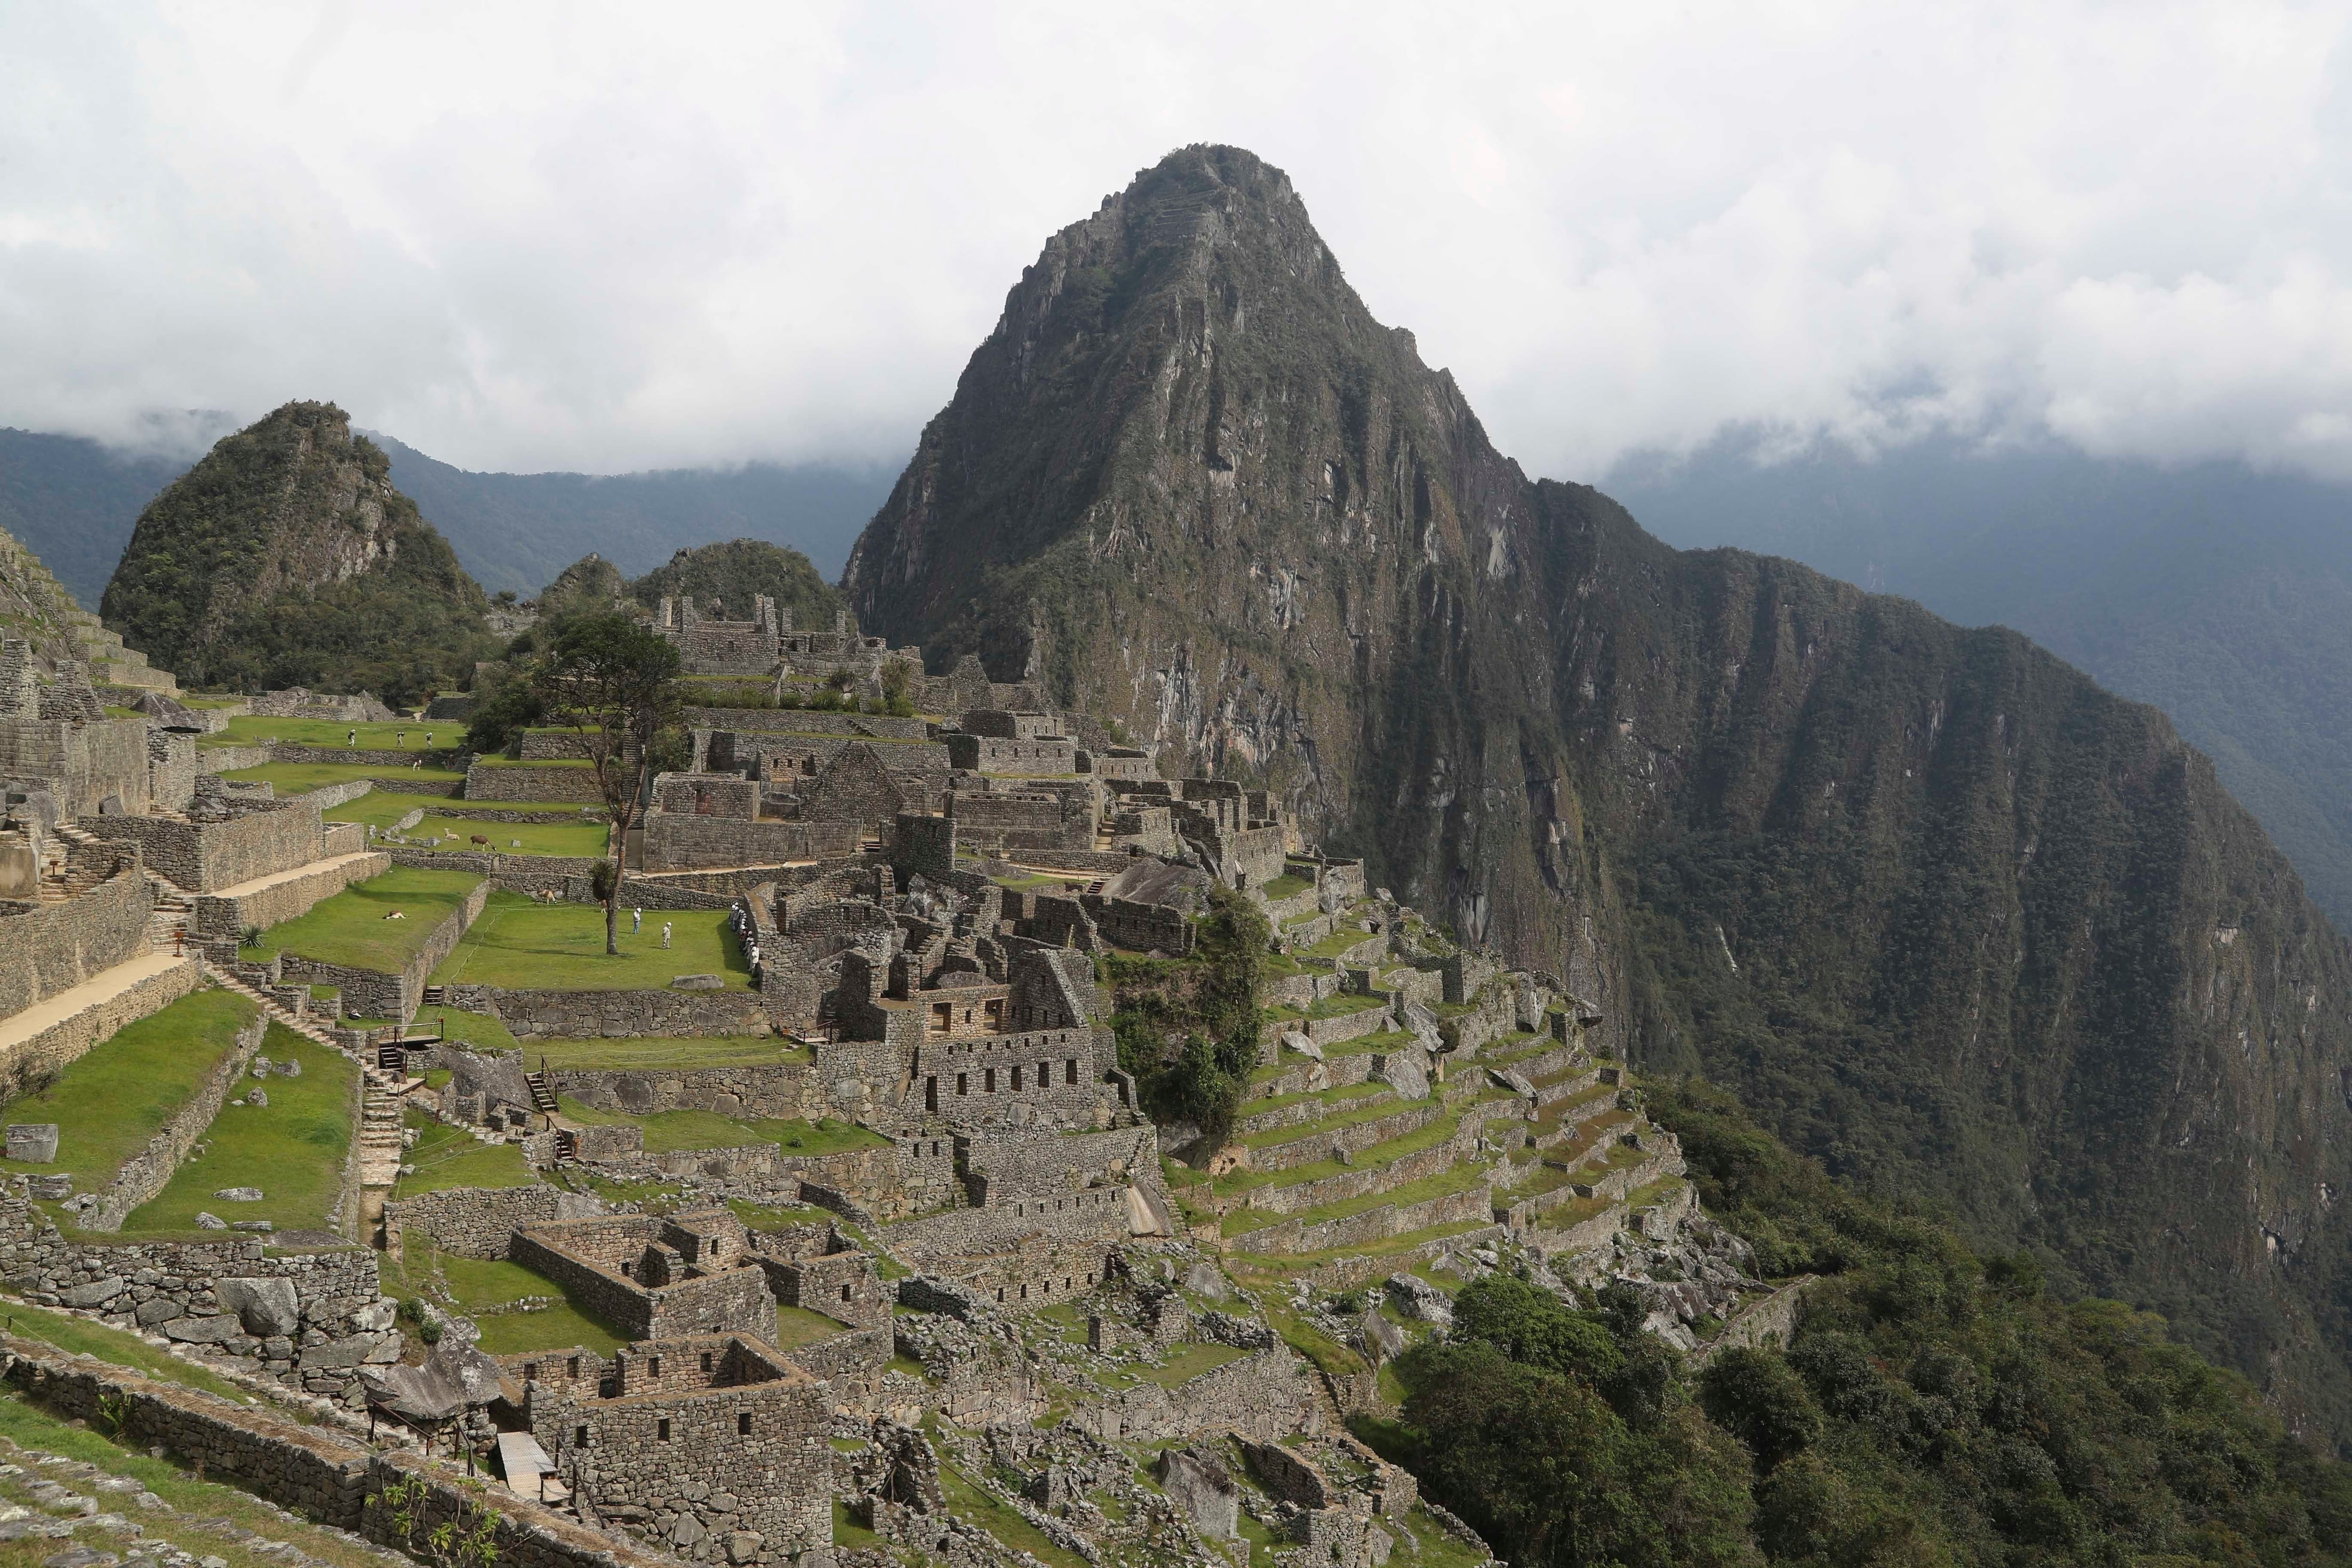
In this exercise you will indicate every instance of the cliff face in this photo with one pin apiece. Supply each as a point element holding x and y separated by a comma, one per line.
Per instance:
<point>1975,931</point>
<point>287,557</point>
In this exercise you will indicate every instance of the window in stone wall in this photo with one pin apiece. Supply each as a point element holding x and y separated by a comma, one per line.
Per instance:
<point>572,1367</point>
<point>579,1436</point>
<point>845,1292</point>
<point>991,1084</point>
<point>706,1360</point>
<point>942,1018</point>
<point>1070,1070</point>
<point>931,1100</point>
<point>653,1367</point>
<point>1016,1080</point>
<point>743,1423</point>
<point>963,1083</point>
<point>661,1430</point>
<point>1044,1075</point>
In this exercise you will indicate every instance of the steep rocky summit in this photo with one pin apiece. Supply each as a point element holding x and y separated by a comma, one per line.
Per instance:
<point>286,557</point>
<point>1972,929</point>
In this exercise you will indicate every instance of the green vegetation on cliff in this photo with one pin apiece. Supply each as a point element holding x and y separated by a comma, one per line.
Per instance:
<point>286,557</point>
<point>1935,1407</point>
<point>1188,1028</point>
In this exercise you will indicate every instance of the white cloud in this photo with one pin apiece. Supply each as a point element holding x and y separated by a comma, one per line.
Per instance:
<point>548,235</point>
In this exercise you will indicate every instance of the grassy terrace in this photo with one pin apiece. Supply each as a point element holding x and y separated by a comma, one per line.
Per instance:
<point>476,1286</point>
<point>479,1029</point>
<point>560,947</point>
<point>1258,1268</point>
<point>1455,1179</point>
<point>403,735</point>
<point>1339,1096</point>
<point>300,778</point>
<point>1383,1153</point>
<point>1338,942</point>
<point>292,1149</point>
<point>797,1326</point>
<point>1558,1108</point>
<point>354,928</point>
<point>447,1157</point>
<point>1286,886</point>
<point>1322,1126</point>
<point>681,1052</point>
<point>668,1131</point>
<point>457,832</point>
<point>109,1104</point>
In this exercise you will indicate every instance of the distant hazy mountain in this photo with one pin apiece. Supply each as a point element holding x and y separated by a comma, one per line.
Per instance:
<point>2221,594</point>
<point>518,530</point>
<point>72,502</point>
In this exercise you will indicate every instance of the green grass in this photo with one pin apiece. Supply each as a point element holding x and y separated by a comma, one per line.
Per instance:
<point>1341,1094</point>
<point>1259,1268</point>
<point>525,945</point>
<point>447,1157</point>
<point>1350,1116</point>
<point>292,1149</point>
<point>482,1030</point>
<point>472,1285</point>
<point>797,1326</point>
<point>494,764</point>
<point>847,1533</point>
<point>116,1097</point>
<point>1338,942</point>
<point>1385,1152</point>
<point>248,730</point>
<point>1187,1362</point>
<point>976,1508</point>
<point>78,1336</point>
<point>1454,1179</point>
<point>1286,886</point>
<point>300,778</point>
<point>668,1131</point>
<point>23,1423</point>
<point>681,1052</point>
<point>572,838</point>
<point>353,928</point>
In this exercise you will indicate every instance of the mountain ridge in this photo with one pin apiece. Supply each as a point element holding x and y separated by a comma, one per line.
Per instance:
<point>1951,916</point>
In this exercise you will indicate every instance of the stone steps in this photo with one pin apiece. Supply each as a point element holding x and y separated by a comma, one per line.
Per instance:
<point>378,1135</point>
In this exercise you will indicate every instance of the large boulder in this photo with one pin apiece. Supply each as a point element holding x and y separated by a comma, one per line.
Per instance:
<point>1198,1484</point>
<point>1403,1071</point>
<point>212,1331</point>
<point>34,1143</point>
<point>265,1307</point>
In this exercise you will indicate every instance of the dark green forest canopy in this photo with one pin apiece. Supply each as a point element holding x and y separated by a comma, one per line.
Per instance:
<point>1936,1405</point>
<point>287,557</point>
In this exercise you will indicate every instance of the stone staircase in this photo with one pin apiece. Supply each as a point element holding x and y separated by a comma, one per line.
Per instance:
<point>171,925</point>
<point>110,663</point>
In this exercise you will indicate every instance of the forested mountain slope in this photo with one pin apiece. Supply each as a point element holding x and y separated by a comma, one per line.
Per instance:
<point>287,557</point>
<point>1976,930</point>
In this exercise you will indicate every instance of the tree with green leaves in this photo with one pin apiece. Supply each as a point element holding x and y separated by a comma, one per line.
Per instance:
<point>612,685</point>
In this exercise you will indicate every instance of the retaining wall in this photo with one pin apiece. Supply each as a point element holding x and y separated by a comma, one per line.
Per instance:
<point>471,1222</point>
<point>218,917</point>
<point>205,856</point>
<point>51,948</point>
<point>65,1041</point>
<point>372,994</point>
<point>486,781</point>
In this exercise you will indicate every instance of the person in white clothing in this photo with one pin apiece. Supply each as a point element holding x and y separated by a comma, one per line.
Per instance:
<point>637,922</point>
<point>665,934</point>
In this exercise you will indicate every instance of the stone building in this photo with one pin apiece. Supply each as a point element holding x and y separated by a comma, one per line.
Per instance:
<point>713,1446</point>
<point>654,1278</point>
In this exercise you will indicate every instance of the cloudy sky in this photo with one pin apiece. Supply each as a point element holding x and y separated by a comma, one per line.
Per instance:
<point>563,236</point>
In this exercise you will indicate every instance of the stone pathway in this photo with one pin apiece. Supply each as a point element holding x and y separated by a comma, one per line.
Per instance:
<point>105,987</point>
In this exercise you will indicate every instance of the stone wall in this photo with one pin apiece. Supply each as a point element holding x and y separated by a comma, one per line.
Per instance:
<point>471,1222</point>
<point>205,856</point>
<point>734,1300</point>
<point>741,1466</point>
<point>314,1470</point>
<point>488,781</point>
<point>783,1091</point>
<point>1268,1396</point>
<point>1010,1166</point>
<point>218,917</point>
<point>51,948</point>
<point>615,1014</point>
<point>50,1049</point>
<point>1099,1214</point>
<point>808,721</point>
<point>146,1172</point>
<point>841,1285</point>
<point>683,841</point>
<point>325,1317</point>
<point>371,993</point>
<point>230,759</point>
<point>852,1364</point>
